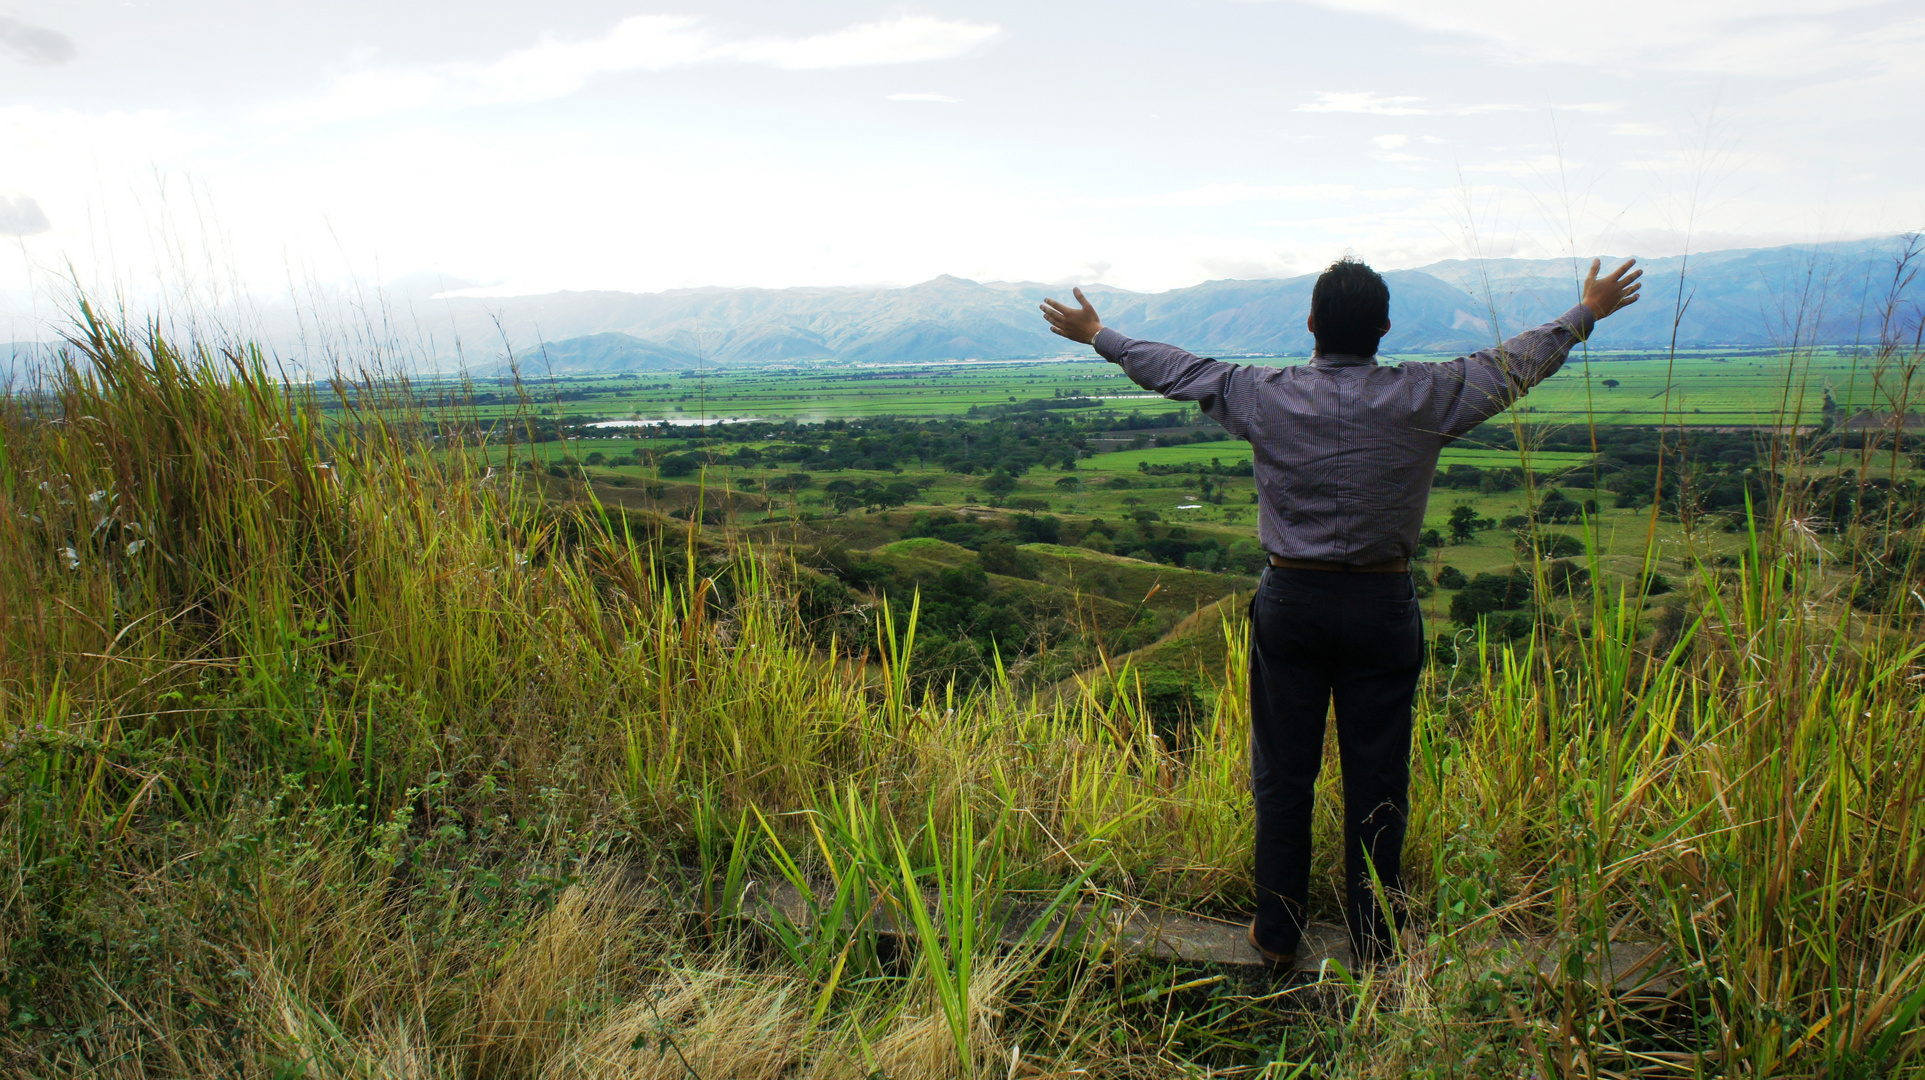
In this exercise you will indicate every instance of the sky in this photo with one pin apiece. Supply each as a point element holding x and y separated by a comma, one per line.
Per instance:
<point>196,151</point>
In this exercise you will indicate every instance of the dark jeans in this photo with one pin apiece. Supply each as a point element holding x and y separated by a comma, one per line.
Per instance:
<point>1360,638</point>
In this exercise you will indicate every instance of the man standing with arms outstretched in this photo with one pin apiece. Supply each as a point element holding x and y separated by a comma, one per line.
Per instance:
<point>1345,449</point>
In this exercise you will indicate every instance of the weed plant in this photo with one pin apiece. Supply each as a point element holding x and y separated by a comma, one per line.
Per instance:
<point>330,752</point>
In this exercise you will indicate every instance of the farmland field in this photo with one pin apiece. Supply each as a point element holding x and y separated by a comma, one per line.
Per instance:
<point>1703,389</point>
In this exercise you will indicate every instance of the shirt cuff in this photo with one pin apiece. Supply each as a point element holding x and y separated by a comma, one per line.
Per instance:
<point>1579,321</point>
<point>1110,345</point>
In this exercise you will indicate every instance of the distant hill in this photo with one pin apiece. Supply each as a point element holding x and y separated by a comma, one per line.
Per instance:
<point>604,353</point>
<point>1824,293</point>
<point>1818,294</point>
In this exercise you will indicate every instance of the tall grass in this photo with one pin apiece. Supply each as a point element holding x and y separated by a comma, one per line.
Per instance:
<point>330,752</point>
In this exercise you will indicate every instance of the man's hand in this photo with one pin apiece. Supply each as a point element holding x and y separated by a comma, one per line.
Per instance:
<point>1605,295</point>
<point>1068,322</point>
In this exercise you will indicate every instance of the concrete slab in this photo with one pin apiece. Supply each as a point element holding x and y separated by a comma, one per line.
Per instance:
<point>1629,967</point>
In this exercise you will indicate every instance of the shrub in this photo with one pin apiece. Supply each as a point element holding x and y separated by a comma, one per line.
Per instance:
<point>1487,593</point>
<point>1002,557</point>
<point>1548,545</point>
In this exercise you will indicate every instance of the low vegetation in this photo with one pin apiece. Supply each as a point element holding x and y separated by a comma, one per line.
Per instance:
<point>331,749</point>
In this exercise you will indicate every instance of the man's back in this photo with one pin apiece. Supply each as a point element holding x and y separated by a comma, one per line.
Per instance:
<point>1345,448</point>
<point>1345,451</point>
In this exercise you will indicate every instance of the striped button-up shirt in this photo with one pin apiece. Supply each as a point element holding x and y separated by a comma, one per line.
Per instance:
<point>1345,448</point>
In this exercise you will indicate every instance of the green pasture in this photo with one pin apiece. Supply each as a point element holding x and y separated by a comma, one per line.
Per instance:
<point>821,392</point>
<point>1699,388</point>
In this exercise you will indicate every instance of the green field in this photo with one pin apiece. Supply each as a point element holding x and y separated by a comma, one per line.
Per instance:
<point>1697,388</point>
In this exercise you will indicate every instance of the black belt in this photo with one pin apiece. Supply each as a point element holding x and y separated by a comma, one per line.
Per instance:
<point>1388,566</point>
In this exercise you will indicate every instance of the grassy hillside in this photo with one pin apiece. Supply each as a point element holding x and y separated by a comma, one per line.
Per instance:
<point>329,751</point>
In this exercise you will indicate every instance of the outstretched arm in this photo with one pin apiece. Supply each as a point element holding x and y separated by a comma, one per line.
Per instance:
<point>1223,391</point>
<point>1474,388</point>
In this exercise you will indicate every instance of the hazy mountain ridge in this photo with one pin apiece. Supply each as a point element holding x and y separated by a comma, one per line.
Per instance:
<point>1761,297</point>
<point>1814,294</point>
<point>1825,293</point>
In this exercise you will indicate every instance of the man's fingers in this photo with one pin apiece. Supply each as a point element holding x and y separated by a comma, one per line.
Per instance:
<point>1083,300</point>
<point>1051,301</point>
<point>1628,264</point>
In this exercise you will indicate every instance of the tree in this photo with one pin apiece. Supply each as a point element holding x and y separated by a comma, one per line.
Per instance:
<point>999,483</point>
<point>1462,523</point>
<point>1612,384</point>
<point>1246,556</point>
<point>1001,557</point>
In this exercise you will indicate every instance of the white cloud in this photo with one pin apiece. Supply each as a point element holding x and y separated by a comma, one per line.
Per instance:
<point>1636,129</point>
<point>904,40</point>
<point>35,45</point>
<point>1390,142</point>
<point>943,98</point>
<point>1364,102</point>
<point>1760,37</point>
<point>21,216</point>
<point>1370,104</point>
<point>556,68</point>
<point>1537,166</point>
<point>1228,194</point>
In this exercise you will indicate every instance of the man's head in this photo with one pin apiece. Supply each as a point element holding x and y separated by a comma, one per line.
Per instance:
<point>1349,309</point>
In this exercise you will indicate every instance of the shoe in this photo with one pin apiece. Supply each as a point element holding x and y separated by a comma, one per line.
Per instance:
<point>1279,959</point>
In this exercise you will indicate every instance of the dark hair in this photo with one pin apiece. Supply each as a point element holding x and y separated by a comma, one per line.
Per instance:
<point>1351,304</point>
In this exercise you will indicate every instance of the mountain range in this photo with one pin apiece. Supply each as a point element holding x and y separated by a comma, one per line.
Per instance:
<point>1763,297</point>
<point>1831,294</point>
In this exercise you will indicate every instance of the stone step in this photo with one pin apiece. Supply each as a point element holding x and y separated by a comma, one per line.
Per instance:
<point>1627,966</point>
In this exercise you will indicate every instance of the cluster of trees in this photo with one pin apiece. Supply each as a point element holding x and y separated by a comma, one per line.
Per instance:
<point>1034,405</point>
<point>974,534</point>
<point>1150,541</point>
<point>1474,478</point>
<point>1506,603</point>
<point>1216,467</point>
<point>868,494</point>
<point>1173,545</point>
<point>965,621</point>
